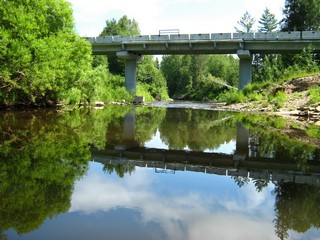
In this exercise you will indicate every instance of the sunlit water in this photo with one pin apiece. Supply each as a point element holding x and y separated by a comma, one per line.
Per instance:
<point>131,201</point>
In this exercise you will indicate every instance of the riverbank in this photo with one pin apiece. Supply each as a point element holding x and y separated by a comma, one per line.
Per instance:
<point>295,101</point>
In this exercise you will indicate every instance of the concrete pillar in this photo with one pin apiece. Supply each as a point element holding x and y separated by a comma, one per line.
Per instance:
<point>131,60</point>
<point>129,127</point>
<point>245,68</point>
<point>128,135</point>
<point>242,144</point>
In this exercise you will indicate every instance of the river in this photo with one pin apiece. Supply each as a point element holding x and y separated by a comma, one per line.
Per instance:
<point>166,171</point>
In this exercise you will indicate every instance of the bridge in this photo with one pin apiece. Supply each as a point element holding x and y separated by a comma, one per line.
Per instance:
<point>129,152</point>
<point>170,161</point>
<point>132,48</point>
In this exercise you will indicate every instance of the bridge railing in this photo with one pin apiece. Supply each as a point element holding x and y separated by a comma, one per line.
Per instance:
<point>265,36</point>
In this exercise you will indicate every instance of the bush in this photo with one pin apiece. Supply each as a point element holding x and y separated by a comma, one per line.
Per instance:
<point>278,99</point>
<point>231,96</point>
<point>314,94</point>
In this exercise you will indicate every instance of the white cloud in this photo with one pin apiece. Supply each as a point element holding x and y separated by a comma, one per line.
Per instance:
<point>202,214</point>
<point>190,16</point>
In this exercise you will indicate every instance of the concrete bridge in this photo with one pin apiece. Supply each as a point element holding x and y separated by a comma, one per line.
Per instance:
<point>132,48</point>
<point>170,161</point>
<point>240,163</point>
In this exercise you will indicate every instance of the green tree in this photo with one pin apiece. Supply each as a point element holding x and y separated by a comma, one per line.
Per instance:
<point>40,161</point>
<point>296,208</point>
<point>123,27</point>
<point>41,56</point>
<point>246,23</point>
<point>301,15</point>
<point>265,66</point>
<point>268,22</point>
<point>199,77</point>
<point>151,79</point>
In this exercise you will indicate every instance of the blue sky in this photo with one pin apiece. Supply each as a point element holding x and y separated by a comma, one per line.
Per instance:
<point>189,16</point>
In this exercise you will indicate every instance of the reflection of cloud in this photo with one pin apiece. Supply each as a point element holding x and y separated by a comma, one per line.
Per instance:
<point>250,201</point>
<point>193,215</point>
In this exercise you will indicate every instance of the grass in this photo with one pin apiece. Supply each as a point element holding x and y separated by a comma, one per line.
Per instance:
<point>314,94</point>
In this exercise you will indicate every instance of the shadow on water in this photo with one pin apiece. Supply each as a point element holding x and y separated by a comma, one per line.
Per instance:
<point>43,153</point>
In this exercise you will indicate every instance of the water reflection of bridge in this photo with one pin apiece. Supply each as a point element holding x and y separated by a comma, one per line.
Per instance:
<point>210,163</point>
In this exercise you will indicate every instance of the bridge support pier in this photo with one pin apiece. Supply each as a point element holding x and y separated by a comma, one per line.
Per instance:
<point>245,68</point>
<point>242,144</point>
<point>130,69</point>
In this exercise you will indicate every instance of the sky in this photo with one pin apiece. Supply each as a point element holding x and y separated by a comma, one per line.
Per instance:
<point>189,16</point>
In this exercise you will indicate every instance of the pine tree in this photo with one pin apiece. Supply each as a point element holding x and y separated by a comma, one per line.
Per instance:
<point>246,23</point>
<point>301,15</point>
<point>268,21</point>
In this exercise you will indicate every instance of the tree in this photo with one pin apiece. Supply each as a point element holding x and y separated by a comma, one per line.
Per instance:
<point>123,27</point>
<point>301,15</point>
<point>40,162</point>
<point>246,23</point>
<point>265,66</point>
<point>41,56</point>
<point>296,208</point>
<point>268,21</point>
<point>151,79</point>
<point>192,76</point>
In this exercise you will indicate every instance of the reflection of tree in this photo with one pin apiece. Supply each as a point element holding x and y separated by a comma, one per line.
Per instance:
<point>267,141</point>
<point>197,129</point>
<point>120,169</point>
<point>259,184</point>
<point>241,181</point>
<point>40,161</point>
<point>297,207</point>
<point>146,122</point>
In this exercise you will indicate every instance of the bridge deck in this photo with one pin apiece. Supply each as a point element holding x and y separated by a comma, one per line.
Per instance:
<point>215,43</point>
<point>221,164</point>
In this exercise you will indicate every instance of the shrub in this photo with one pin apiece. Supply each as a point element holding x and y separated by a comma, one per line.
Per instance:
<point>278,99</point>
<point>314,94</point>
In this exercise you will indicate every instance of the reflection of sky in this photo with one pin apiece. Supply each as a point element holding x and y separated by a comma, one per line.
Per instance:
<point>147,205</point>
<point>156,142</point>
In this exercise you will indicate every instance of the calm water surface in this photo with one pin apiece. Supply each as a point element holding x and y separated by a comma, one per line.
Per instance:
<point>157,173</point>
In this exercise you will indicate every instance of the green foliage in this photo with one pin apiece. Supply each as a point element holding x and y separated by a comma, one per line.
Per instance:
<point>268,22</point>
<point>42,154</point>
<point>41,55</point>
<point>180,126</point>
<point>313,131</point>
<point>231,96</point>
<point>293,211</point>
<point>97,84</point>
<point>278,99</point>
<point>199,77</point>
<point>40,161</point>
<point>151,79</point>
<point>301,15</point>
<point>314,94</point>
<point>123,27</point>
